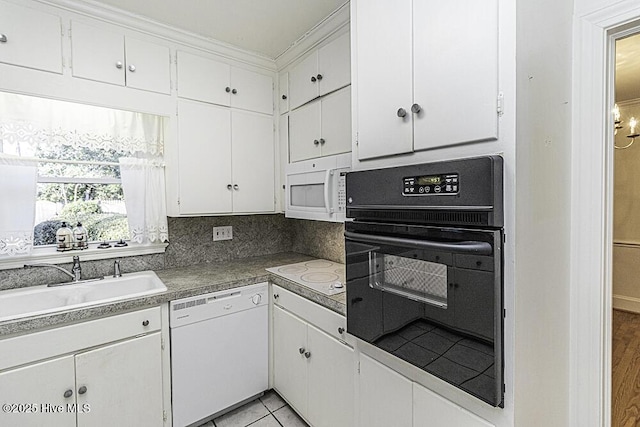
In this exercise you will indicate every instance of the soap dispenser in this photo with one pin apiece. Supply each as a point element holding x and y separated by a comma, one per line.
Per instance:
<point>80,237</point>
<point>64,238</point>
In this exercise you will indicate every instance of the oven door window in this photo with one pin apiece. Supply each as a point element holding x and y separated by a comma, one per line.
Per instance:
<point>410,277</point>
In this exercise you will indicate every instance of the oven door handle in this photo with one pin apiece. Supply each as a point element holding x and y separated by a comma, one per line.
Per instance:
<point>461,247</point>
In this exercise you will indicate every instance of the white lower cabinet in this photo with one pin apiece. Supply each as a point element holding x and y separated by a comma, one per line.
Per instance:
<point>84,381</point>
<point>385,396</point>
<point>313,371</point>
<point>431,410</point>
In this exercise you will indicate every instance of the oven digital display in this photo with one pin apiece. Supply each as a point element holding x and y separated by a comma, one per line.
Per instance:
<point>428,180</point>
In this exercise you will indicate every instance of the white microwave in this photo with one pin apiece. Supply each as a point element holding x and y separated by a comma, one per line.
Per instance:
<point>315,189</point>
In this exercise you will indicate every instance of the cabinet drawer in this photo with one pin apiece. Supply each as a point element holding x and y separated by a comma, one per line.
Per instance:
<point>313,313</point>
<point>44,344</point>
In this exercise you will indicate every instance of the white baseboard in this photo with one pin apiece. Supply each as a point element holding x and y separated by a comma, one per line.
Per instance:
<point>621,302</point>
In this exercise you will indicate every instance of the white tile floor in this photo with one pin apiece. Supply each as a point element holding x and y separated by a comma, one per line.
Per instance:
<point>267,411</point>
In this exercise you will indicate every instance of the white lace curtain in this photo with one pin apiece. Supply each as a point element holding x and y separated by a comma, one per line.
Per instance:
<point>29,123</point>
<point>144,194</point>
<point>17,205</point>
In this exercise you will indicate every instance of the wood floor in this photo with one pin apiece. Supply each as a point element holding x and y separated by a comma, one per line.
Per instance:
<point>625,405</point>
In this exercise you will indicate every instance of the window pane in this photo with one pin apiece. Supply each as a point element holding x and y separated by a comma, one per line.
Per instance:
<point>99,207</point>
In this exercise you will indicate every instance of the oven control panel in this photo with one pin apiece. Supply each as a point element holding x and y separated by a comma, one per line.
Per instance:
<point>431,184</point>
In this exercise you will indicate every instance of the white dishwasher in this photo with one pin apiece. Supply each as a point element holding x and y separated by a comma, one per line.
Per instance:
<point>219,351</point>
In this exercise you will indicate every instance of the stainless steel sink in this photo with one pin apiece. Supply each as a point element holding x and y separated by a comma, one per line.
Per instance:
<point>37,300</point>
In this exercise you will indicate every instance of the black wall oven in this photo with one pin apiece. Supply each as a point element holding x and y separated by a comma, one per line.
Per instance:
<point>424,268</point>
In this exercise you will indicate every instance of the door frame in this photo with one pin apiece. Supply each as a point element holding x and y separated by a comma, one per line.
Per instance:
<point>592,210</point>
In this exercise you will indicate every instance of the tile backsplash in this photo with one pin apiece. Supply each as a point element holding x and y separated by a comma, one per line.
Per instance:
<point>191,242</point>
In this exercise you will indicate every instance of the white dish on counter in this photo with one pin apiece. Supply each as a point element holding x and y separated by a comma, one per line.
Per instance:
<point>38,300</point>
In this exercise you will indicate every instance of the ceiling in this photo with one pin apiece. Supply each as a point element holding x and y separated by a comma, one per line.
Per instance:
<point>267,27</point>
<point>628,68</point>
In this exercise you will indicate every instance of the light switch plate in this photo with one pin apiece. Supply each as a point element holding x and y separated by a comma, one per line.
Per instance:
<point>222,233</point>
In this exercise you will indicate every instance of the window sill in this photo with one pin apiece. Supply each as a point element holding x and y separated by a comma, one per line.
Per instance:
<point>49,254</point>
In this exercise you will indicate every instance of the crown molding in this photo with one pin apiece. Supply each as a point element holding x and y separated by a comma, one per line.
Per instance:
<point>332,24</point>
<point>153,28</point>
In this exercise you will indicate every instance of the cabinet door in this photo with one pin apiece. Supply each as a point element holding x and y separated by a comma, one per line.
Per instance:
<point>204,158</point>
<point>283,128</point>
<point>43,385</point>
<point>33,38</point>
<point>431,410</point>
<point>455,72</point>
<point>303,83</point>
<point>253,91</point>
<point>383,59</point>
<point>203,79</point>
<point>283,93</point>
<point>148,66</point>
<point>123,383</point>
<point>304,132</point>
<point>334,64</point>
<point>253,163</point>
<point>336,122</point>
<point>385,396</point>
<point>97,54</point>
<point>331,381</point>
<point>289,364</point>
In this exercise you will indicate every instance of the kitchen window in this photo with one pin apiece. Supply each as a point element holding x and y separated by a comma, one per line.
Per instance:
<point>61,161</point>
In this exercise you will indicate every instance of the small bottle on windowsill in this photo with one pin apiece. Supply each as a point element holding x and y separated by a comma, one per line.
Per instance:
<point>64,238</point>
<point>80,237</point>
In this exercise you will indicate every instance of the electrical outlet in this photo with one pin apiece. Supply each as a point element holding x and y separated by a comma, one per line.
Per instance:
<point>222,233</point>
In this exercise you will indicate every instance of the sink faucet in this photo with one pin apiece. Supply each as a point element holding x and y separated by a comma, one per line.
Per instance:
<point>116,269</point>
<point>75,273</point>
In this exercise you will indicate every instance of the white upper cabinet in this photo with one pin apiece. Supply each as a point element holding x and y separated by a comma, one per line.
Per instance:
<point>322,72</point>
<point>461,53</point>
<point>283,94</point>
<point>226,160</point>
<point>321,128</point>
<point>434,83</point>
<point>110,57</point>
<point>206,80</point>
<point>30,38</point>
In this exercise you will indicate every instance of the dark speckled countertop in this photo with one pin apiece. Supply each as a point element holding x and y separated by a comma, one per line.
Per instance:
<point>185,282</point>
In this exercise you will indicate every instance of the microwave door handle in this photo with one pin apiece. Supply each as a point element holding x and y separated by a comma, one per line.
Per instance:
<point>461,247</point>
<point>327,187</point>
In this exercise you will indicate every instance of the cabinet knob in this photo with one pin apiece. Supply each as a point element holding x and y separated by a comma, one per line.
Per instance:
<point>68,393</point>
<point>401,112</point>
<point>236,187</point>
<point>229,186</point>
<point>234,91</point>
<point>322,141</point>
<point>227,89</point>
<point>276,296</point>
<point>313,79</point>
<point>319,77</point>
<point>316,142</point>
<point>301,350</point>
<point>341,330</point>
<point>284,96</point>
<point>119,64</point>
<point>82,390</point>
<point>145,323</point>
<point>3,38</point>
<point>132,68</point>
<point>307,354</point>
<point>416,108</point>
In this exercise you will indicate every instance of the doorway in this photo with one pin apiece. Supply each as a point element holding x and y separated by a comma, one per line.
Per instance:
<point>625,331</point>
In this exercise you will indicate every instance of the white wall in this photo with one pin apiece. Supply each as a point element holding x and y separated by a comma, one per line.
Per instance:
<point>543,142</point>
